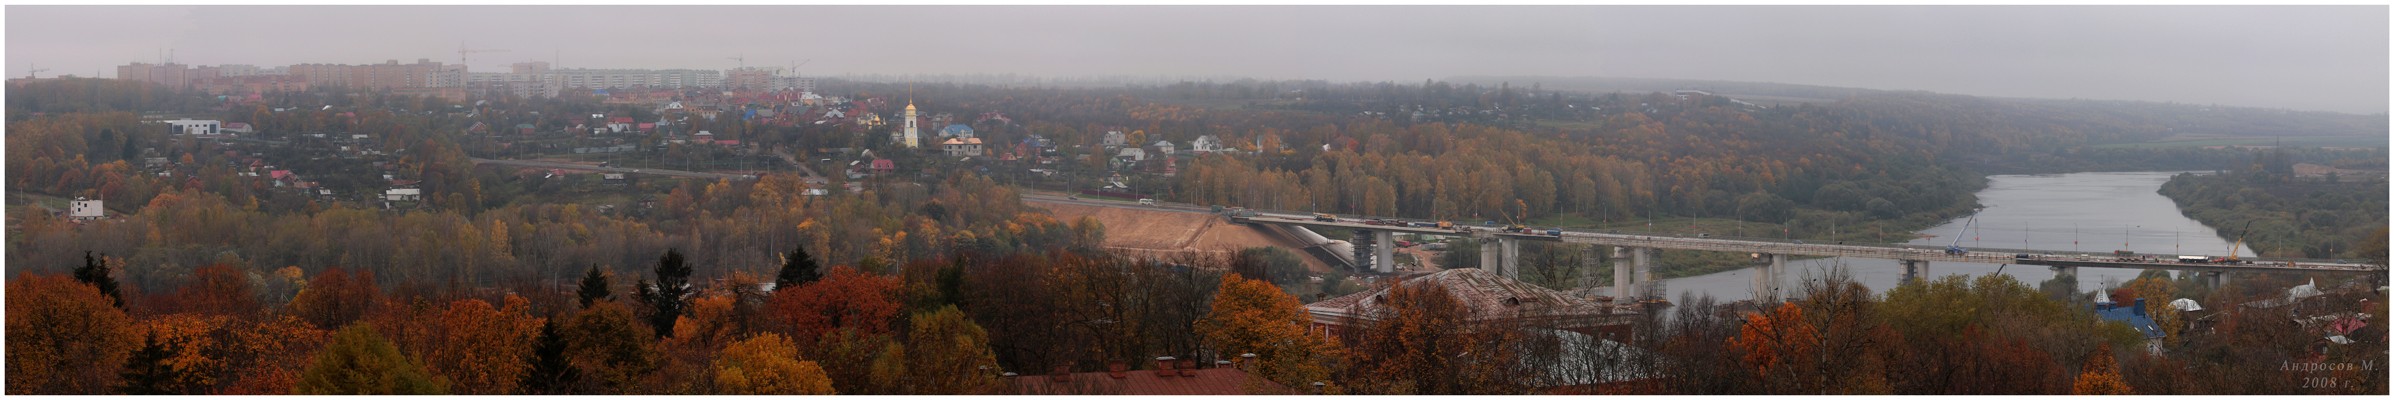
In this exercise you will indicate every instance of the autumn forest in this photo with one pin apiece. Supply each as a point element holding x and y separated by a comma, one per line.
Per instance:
<point>206,277</point>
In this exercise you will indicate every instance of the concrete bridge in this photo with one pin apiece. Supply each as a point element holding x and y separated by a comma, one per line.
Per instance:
<point>1635,252</point>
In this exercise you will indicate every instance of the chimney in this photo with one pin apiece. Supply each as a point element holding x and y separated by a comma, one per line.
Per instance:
<point>1163,366</point>
<point>1188,368</point>
<point>1221,364</point>
<point>2140,306</point>
<point>1246,361</point>
<point>1117,369</point>
<point>1061,373</point>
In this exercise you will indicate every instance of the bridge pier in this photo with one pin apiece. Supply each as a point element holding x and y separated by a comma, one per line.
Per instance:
<point>1511,260</point>
<point>2071,272</point>
<point>1916,270</point>
<point>2214,279</point>
<point>1587,267</point>
<point>1490,254</point>
<point>1621,275</point>
<point>1383,253</point>
<point>1766,278</point>
<point>1364,249</point>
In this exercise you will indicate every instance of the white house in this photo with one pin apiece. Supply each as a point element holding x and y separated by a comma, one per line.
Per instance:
<point>1163,146</point>
<point>1206,144</point>
<point>194,127</point>
<point>1132,154</point>
<point>86,210</point>
<point>1115,139</point>
<point>407,194</point>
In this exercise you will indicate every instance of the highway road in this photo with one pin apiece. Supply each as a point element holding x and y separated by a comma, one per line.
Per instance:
<point>584,167</point>
<point>1756,245</point>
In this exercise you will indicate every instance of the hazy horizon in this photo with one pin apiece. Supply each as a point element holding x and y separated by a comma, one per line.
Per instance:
<point>2324,58</point>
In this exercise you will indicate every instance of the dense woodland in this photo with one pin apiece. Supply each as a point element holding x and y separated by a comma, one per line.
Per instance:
<point>2281,214</point>
<point>207,281</point>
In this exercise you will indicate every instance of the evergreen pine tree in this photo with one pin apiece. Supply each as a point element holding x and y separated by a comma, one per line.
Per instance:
<point>594,287</point>
<point>797,268</point>
<point>95,272</point>
<point>147,372</point>
<point>551,372</point>
<point>670,296</point>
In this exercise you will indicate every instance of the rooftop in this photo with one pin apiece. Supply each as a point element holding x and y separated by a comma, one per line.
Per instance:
<point>1488,295</point>
<point>1199,382</point>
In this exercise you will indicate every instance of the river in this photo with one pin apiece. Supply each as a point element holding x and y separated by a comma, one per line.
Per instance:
<point>2091,213</point>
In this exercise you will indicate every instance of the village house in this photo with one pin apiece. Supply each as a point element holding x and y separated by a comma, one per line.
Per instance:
<point>194,127</point>
<point>957,130</point>
<point>85,210</point>
<point>962,147</point>
<point>1114,139</point>
<point>1206,144</point>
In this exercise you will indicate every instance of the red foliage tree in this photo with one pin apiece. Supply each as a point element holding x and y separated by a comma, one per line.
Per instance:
<point>844,299</point>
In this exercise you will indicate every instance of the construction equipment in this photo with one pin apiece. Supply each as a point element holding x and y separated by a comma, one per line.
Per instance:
<point>1956,247</point>
<point>743,59</point>
<point>29,74</point>
<point>1517,225</point>
<point>2240,233</point>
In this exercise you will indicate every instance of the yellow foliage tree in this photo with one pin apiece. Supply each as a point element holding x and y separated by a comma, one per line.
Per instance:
<point>768,365</point>
<point>2100,376</point>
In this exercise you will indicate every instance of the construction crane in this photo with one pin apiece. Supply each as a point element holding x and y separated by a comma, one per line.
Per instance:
<point>1956,247</point>
<point>462,51</point>
<point>794,66</point>
<point>29,74</point>
<point>2240,233</point>
<point>1519,223</point>
<point>743,59</point>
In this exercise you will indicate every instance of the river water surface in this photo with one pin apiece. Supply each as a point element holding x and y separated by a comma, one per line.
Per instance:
<point>2090,213</point>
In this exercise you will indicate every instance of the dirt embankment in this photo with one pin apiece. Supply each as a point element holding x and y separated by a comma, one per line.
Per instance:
<point>1164,234</point>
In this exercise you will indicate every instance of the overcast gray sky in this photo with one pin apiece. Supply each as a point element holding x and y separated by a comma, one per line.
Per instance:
<point>2309,58</point>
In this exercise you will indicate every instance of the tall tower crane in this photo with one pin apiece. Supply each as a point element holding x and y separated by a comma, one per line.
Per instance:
<point>462,51</point>
<point>29,74</point>
<point>743,59</point>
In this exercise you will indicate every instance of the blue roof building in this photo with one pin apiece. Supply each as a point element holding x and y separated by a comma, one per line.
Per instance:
<point>2132,314</point>
<point>957,130</point>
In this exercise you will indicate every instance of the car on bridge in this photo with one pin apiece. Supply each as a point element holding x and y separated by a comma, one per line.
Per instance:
<point>1323,217</point>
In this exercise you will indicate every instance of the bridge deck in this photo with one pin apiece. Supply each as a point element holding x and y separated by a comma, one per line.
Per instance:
<point>1879,251</point>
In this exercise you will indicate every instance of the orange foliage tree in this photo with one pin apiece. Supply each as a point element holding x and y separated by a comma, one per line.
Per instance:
<point>336,297</point>
<point>64,337</point>
<point>1775,346</point>
<point>2100,376</point>
<point>610,347</point>
<point>1253,316</point>
<point>480,349</point>
<point>216,289</point>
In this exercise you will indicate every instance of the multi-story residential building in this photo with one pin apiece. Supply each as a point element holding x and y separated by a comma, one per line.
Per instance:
<point>232,70</point>
<point>388,75</point>
<point>170,74</point>
<point>448,76</point>
<point>252,84</point>
<point>627,78</point>
<point>748,78</point>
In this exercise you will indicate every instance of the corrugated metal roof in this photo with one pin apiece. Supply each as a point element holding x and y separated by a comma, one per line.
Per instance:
<point>1212,381</point>
<point>1488,295</point>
